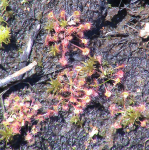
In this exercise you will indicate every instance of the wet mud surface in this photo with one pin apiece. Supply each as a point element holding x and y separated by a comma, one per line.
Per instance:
<point>114,36</point>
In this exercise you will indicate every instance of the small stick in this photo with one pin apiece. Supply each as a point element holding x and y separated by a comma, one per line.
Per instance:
<point>2,102</point>
<point>15,75</point>
<point>28,48</point>
<point>116,34</point>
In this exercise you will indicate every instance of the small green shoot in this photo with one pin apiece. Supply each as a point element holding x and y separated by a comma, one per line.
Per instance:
<point>20,50</point>
<point>89,66</point>
<point>76,120</point>
<point>108,72</point>
<point>130,116</point>
<point>4,35</point>
<point>2,20</point>
<point>55,86</point>
<point>6,134</point>
<point>54,50</point>
<point>24,2</point>
<point>4,4</point>
<point>109,6</point>
<point>63,23</point>
<point>74,148</point>
<point>49,26</point>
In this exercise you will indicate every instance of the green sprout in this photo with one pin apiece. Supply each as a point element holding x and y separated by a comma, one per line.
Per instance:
<point>6,134</point>
<point>55,86</point>
<point>49,26</point>
<point>24,2</point>
<point>20,50</point>
<point>4,4</point>
<point>4,35</point>
<point>63,23</point>
<point>130,116</point>
<point>105,63</point>
<point>2,20</point>
<point>54,50</point>
<point>89,66</point>
<point>108,72</point>
<point>76,120</point>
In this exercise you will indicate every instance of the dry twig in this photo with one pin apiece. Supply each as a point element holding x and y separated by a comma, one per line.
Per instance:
<point>28,48</point>
<point>15,75</point>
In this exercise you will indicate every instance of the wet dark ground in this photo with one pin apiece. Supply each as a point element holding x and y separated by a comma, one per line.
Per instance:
<point>114,36</point>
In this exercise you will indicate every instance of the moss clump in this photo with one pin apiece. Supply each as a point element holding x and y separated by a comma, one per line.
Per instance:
<point>4,4</point>
<point>4,35</point>
<point>76,120</point>
<point>55,86</point>
<point>49,25</point>
<point>2,20</point>
<point>130,116</point>
<point>63,23</point>
<point>6,134</point>
<point>89,66</point>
